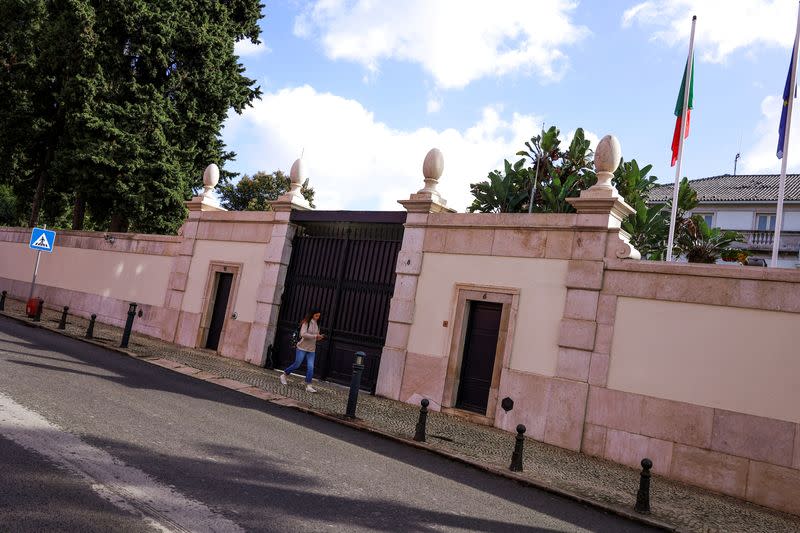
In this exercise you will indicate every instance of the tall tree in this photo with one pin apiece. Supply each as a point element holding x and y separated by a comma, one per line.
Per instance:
<point>132,112</point>
<point>254,193</point>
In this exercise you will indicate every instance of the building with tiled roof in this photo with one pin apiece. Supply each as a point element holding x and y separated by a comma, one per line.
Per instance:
<point>747,188</point>
<point>747,203</point>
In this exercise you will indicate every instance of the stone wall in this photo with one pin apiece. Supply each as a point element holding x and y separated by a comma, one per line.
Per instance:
<point>171,277</point>
<point>92,274</point>
<point>693,366</point>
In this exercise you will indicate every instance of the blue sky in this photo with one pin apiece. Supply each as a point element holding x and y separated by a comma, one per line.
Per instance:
<point>365,88</point>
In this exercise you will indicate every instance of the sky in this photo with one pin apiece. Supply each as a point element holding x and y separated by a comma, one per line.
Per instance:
<point>364,88</point>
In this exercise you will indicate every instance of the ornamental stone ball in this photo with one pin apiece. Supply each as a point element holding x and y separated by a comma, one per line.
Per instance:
<point>210,179</point>
<point>432,168</point>
<point>607,154</point>
<point>298,172</point>
<point>606,160</point>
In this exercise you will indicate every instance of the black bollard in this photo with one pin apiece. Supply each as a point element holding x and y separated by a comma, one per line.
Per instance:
<point>90,329</point>
<point>643,496</point>
<point>39,308</point>
<point>419,435</point>
<point>3,300</point>
<point>63,323</point>
<point>126,335</point>
<point>516,457</point>
<point>355,384</point>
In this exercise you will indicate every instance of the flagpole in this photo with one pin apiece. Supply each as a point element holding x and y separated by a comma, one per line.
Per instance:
<point>776,242</point>
<point>686,86</point>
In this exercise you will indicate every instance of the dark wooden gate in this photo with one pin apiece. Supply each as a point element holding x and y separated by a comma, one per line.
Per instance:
<point>344,264</point>
<point>480,348</point>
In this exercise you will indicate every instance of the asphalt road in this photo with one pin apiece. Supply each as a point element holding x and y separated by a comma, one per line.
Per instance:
<point>94,441</point>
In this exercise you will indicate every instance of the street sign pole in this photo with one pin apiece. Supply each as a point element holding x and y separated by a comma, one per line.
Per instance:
<point>35,270</point>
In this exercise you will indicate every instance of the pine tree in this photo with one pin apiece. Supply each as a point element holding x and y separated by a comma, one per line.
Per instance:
<point>126,102</point>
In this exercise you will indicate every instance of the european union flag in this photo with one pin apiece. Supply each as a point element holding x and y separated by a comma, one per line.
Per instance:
<point>785,110</point>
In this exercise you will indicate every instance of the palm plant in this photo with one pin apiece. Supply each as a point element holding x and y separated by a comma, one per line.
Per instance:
<point>701,244</point>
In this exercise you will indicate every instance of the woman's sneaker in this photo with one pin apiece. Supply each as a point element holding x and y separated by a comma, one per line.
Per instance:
<point>283,379</point>
<point>309,388</point>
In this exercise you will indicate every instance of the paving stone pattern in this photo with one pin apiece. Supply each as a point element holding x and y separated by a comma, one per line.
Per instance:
<point>684,507</point>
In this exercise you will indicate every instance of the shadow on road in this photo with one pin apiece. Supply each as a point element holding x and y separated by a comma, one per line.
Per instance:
<point>241,479</point>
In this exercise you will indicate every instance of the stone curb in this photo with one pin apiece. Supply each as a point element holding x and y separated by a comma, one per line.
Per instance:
<point>362,426</point>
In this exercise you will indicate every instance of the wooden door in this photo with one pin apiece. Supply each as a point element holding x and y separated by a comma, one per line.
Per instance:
<point>480,348</point>
<point>224,282</point>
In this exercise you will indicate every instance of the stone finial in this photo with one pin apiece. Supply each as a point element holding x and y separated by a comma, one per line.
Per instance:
<point>432,168</point>
<point>293,199</point>
<point>210,179</point>
<point>606,161</point>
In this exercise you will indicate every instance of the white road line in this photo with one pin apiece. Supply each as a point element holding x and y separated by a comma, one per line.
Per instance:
<point>124,486</point>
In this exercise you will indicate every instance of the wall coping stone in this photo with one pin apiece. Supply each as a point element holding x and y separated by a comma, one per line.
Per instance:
<point>702,270</point>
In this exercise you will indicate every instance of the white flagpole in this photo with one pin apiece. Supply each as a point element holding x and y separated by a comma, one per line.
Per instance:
<point>776,242</point>
<point>680,142</point>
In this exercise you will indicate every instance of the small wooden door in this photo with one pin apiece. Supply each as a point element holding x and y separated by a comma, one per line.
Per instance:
<point>480,347</point>
<point>224,282</point>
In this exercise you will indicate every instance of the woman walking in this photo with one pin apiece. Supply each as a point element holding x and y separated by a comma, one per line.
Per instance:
<point>306,348</point>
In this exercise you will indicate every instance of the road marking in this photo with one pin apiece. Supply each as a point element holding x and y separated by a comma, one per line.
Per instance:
<point>124,486</point>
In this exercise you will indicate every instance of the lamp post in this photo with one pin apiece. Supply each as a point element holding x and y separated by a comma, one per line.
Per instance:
<point>355,384</point>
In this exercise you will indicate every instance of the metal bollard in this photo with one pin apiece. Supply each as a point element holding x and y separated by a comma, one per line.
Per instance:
<point>355,384</point>
<point>3,300</point>
<point>90,329</point>
<point>419,435</point>
<point>516,457</point>
<point>643,496</point>
<point>63,323</point>
<point>38,316</point>
<point>126,335</point>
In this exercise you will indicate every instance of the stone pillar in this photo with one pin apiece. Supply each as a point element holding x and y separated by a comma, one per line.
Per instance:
<point>185,332</point>
<point>585,334</point>
<point>409,265</point>
<point>276,264</point>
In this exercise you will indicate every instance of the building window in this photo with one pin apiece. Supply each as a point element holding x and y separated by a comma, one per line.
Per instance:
<point>765,222</point>
<point>707,217</point>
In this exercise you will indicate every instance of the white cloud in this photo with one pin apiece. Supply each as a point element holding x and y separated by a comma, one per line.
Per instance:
<point>761,158</point>
<point>456,41</point>
<point>356,162</point>
<point>245,47</point>
<point>434,104</point>
<point>723,26</point>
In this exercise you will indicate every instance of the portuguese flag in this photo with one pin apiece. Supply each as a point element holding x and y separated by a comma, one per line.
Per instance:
<point>679,110</point>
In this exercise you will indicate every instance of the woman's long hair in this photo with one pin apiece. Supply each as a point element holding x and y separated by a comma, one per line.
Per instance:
<point>307,318</point>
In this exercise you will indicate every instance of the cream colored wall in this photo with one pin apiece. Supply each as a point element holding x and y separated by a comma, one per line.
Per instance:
<point>133,277</point>
<point>541,304</point>
<point>729,358</point>
<point>251,255</point>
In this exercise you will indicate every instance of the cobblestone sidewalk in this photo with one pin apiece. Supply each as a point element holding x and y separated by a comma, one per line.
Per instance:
<point>678,506</point>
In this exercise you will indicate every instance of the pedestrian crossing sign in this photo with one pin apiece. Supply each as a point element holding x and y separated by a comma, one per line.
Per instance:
<point>42,239</point>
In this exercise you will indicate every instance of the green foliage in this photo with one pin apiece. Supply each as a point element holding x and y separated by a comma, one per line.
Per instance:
<point>648,226</point>
<point>118,106</point>
<point>505,192</point>
<point>8,206</point>
<point>561,174</point>
<point>553,175</point>
<point>702,244</point>
<point>254,193</point>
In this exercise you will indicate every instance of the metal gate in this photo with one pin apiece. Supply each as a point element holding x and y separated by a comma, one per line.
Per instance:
<point>344,264</point>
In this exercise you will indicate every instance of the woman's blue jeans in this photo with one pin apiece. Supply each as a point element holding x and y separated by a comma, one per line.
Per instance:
<point>298,360</point>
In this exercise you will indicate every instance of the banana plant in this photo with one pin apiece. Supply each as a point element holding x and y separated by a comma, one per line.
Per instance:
<point>505,192</point>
